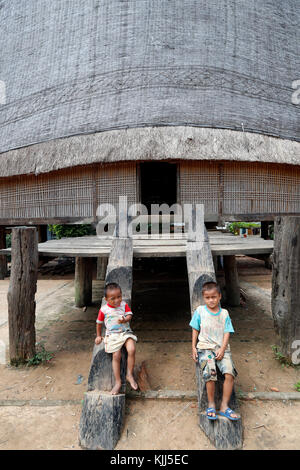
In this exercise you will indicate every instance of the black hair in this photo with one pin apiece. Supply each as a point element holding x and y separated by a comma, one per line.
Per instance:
<point>111,286</point>
<point>211,285</point>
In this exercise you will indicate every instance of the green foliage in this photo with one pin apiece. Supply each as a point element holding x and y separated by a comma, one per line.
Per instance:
<point>234,227</point>
<point>61,231</point>
<point>8,240</point>
<point>283,360</point>
<point>297,386</point>
<point>41,356</point>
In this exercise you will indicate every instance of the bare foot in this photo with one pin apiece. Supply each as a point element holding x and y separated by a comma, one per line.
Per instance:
<point>116,388</point>
<point>132,382</point>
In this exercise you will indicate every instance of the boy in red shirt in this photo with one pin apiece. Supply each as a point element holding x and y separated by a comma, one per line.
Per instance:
<point>116,315</point>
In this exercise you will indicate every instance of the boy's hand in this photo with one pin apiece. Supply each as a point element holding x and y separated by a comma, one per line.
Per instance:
<point>220,354</point>
<point>122,320</point>
<point>98,339</point>
<point>195,354</point>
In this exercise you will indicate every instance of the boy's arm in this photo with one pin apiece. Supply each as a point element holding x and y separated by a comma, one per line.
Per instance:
<point>220,352</point>
<point>195,334</point>
<point>125,319</point>
<point>127,316</point>
<point>195,323</point>
<point>99,323</point>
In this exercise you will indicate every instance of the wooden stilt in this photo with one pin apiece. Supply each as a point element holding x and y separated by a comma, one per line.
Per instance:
<point>21,294</point>
<point>264,229</point>
<point>286,283</point>
<point>232,281</point>
<point>101,268</point>
<point>3,258</point>
<point>223,433</point>
<point>102,414</point>
<point>83,281</point>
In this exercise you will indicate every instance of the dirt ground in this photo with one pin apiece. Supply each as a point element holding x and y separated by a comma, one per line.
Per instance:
<point>161,321</point>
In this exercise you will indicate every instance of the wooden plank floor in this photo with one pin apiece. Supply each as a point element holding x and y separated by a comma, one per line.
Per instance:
<point>154,246</point>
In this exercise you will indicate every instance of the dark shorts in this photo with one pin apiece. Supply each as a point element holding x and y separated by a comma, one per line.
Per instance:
<point>208,363</point>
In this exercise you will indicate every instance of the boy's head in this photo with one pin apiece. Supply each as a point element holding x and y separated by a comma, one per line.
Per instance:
<point>211,294</point>
<point>113,294</point>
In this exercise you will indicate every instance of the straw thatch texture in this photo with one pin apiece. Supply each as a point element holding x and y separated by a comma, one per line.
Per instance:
<point>79,67</point>
<point>155,143</point>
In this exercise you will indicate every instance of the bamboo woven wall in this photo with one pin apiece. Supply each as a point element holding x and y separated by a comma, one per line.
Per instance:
<point>240,187</point>
<point>224,188</point>
<point>74,192</point>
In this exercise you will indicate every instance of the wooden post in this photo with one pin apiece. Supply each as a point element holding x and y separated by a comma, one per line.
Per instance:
<point>286,283</point>
<point>3,258</point>
<point>232,281</point>
<point>83,281</point>
<point>101,267</point>
<point>223,433</point>
<point>21,294</point>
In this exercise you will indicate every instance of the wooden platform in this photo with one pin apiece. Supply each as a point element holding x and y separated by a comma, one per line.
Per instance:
<point>154,246</point>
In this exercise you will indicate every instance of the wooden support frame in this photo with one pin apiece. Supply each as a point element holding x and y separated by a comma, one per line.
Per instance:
<point>286,285</point>
<point>21,294</point>
<point>231,281</point>
<point>83,281</point>
<point>3,259</point>
<point>101,267</point>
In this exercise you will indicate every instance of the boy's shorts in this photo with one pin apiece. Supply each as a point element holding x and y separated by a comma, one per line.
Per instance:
<point>207,361</point>
<point>115,341</point>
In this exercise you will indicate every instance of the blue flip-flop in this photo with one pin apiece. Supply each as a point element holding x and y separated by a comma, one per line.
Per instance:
<point>211,410</point>
<point>228,413</point>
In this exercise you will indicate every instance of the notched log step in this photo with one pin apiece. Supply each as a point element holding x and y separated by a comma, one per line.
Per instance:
<point>101,420</point>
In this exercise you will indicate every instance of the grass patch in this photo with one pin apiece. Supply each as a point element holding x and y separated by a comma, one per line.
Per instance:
<point>41,356</point>
<point>297,386</point>
<point>283,360</point>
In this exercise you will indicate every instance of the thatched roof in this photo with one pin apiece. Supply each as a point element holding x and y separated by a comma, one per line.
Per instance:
<point>153,143</point>
<point>84,67</point>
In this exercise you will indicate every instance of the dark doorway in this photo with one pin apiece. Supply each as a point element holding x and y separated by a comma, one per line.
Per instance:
<point>158,183</point>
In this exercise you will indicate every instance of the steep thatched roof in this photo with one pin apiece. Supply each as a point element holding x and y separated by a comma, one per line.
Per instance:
<point>153,143</point>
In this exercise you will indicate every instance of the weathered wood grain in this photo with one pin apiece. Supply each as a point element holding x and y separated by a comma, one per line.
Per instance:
<point>101,420</point>
<point>286,283</point>
<point>83,281</point>
<point>231,281</point>
<point>21,294</point>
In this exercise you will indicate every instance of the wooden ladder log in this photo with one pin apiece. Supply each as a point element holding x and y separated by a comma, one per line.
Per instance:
<point>223,433</point>
<point>103,414</point>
